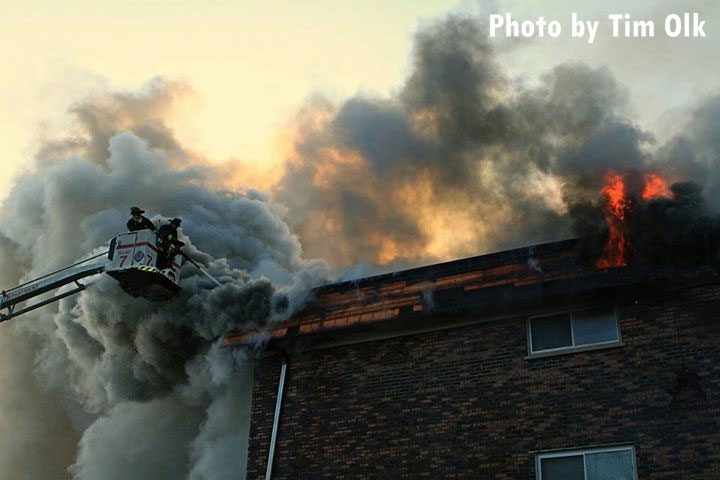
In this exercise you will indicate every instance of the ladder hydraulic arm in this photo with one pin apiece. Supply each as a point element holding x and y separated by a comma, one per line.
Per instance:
<point>10,299</point>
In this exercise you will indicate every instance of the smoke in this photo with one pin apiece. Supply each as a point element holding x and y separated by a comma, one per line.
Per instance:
<point>107,386</point>
<point>466,158</point>
<point>674,228</point>
<point>694,153</point>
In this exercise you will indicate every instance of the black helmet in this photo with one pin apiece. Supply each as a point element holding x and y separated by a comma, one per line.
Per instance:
<point>136,211</point>
<point>175,221</point>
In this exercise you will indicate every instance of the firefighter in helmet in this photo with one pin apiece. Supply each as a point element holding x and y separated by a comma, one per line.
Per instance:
<point>168,243</point>
<point>138,221</point>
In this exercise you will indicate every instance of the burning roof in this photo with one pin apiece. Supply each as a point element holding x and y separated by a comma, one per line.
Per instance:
<point>642,219</point>
<point>493,285</point>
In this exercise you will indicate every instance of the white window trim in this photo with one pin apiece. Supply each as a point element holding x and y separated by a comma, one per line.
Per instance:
<point>571,348</point>
<point>573,453</point>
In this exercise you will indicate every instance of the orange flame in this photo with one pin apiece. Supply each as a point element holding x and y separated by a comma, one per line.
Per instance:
<point>655,186</point>
<point>617,242</point>
<point>617,205</point>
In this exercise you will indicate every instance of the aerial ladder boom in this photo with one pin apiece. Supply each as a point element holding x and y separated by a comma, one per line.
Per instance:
<point>133,259</point>
<point>10,299</point>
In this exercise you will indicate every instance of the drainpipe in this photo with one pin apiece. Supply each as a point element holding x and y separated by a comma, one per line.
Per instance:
<point>276,420</point>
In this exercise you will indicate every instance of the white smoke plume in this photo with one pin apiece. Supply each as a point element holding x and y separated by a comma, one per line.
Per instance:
<point>104,386</point>
<point>463,159</point>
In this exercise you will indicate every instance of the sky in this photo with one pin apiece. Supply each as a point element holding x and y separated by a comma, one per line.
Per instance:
<point>376,135</point>
<point>251,64</point>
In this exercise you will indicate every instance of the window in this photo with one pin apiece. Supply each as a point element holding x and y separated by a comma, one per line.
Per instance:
<point>568,330</point>
<point>616,463</point>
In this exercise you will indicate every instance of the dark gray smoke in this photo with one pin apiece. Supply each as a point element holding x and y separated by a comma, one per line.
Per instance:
<point>462,160</point>
<point>106,386</point>
<point>678,228</point>
<point>464,151</point>
<point>695,152</point>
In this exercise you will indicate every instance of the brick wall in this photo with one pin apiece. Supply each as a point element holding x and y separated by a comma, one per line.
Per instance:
<point>466,403</point>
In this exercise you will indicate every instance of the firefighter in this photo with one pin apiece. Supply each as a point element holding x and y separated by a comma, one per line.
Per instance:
<point>138,221</point>
<point>168,243</point>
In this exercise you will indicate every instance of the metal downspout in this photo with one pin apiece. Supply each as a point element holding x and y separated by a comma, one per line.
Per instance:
<point>276,420</point>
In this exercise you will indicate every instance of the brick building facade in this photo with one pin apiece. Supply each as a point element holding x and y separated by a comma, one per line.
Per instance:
<point>517,365</point>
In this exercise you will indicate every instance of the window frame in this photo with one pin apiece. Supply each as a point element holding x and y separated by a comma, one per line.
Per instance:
<point>573,347</point>
<point>583,451</point>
